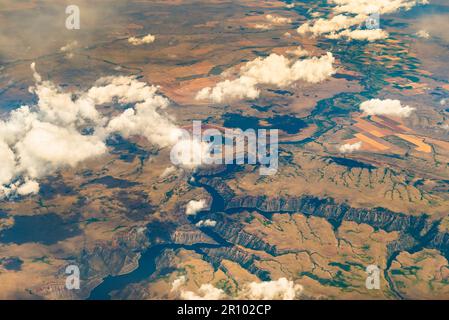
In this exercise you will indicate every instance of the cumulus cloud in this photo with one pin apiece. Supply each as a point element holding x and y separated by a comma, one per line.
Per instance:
<point>36,75</point>
<point>38,140</point>
<point>272,20</point>
<point>374,6</point>
<point>435,24</point>
<point>8,167</point>
<point>206,223</point>
<point>126,90</point>
<point>279,71</point>
<point>68,48</point>
<point>281,289</point>
<point>263,26</point>
<point>178,283</point>
<point>423,34</point>
<point>240,88</point>
<point>29,187</point>
<point>350,15</point>
<point>336,23</point>
<point>168,172</point>
<point>47,146</point>
<point>314,70</point>
<point>278,20</point>
<point>190,152</point>
<point>348,147</point>
<point>144,40</point>
<point>194,206</point>
<point>386,107</point>
<point>205,292</point>
<point>298,52</point>
<point>135,121</point>
<point>360,34</point>
<point>274,70</point>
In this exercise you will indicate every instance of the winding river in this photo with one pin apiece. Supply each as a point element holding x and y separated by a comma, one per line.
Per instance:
<point>147,261</point>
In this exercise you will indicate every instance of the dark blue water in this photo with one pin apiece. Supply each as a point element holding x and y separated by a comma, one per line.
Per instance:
<point>146,268</point>
<point>282,92</point>
<point>286,123</point>
<point>12,263</point>
<point>350,163</point>
<point>111,182</point>
<point>47,229</point>
<point>147,262</point>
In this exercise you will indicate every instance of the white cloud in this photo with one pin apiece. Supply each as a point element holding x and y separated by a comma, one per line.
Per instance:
<point>178,283</point>
<point>8,167</point>
<point>262,26</point>
<point>274,70</point>
<point>144,40</point>
<point>298,52</point>
<point>205,292</point>
<point>36,75</point>
<point>29,187</point>
<point>240,88</point>
<point>360,34</point>
<point>423,34</point>
<point>58,107</point>
<point>32,147</point>
<point>38,140</point>
<point>126,90</point>
<point>189,152</point>
<point>68,48</point>
<point>314,70</point>
<point>336,23</point>
<point>374,6</point>
<point>168,172</point>
<point>194,206</point>
<point>278,20</point>
<point>385,107</point>
<point>47,146</point>
<point>348,147</point>
<point>206,223</point>
<point>272,21</point>
<point>137,120</point>
<point>348,15</point>
<point>281,289</point>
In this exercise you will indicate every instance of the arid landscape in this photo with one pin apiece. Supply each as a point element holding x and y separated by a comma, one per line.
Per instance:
<point>90,116</point>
